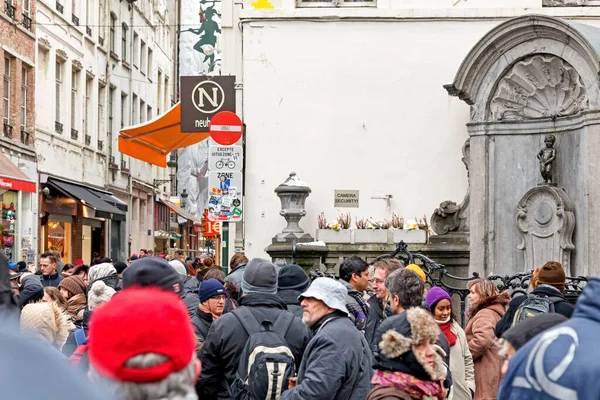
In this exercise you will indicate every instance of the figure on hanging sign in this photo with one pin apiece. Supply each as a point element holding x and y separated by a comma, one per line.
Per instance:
<point>546,157</point>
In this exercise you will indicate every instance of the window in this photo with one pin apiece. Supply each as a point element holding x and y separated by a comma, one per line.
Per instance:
<point>166,97</point>
<point>150,59</point>
<point>23,99</point>
<point>136,50</point>
<point>74,92</point>
<point>58,87</point>
<point>6,91</point>
<point>142,111</point>
<point>101,21</point>
<point>26,8</point>
<point>88,13</point>
<point>134,115</point>
<point>87,107</point>
<point>74,9</point>
<point>124,43</point>
<point>113,24</point>
<point>101,100</point>
<point>123,100</point>
<point>143,59</point>
<point>159,92</point>
<point>149,114</point>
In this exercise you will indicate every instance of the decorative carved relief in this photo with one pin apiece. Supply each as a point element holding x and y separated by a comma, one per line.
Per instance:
<point>60,53</point>
<point>77,65</point>
<point>44,43</point>
<point>540,86</point>
<point>546,222</point>
<point>450,217</point>
<point>563,3</point>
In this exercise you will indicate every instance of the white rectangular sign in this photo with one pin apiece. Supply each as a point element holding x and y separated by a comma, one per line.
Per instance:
<point>225,196</point>
<point>225,158</point>
<point>345,198</point>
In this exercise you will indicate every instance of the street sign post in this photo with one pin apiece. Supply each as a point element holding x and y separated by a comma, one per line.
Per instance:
<point>225,158</point>
<point>225,128</point>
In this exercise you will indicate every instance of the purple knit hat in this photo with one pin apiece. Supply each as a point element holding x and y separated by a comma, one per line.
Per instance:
<point>434,295</point>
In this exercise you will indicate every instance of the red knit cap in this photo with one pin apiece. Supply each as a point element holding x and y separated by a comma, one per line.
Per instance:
<point>140,321</point>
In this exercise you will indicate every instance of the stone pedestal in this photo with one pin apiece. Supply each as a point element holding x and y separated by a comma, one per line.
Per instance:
<point>546,222</point>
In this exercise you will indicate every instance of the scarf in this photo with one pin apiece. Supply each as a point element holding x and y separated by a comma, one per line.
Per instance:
<point>412,386</point>
<point>445,327</point>
<point>76,305</point>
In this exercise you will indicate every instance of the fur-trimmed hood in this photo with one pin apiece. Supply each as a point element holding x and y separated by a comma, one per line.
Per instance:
<point>497,302</point>
<point>396,337</point>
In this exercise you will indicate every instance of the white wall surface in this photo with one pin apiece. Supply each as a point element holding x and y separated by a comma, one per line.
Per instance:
<point>353,105</point>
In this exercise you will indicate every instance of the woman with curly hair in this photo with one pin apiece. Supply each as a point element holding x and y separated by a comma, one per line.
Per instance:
<point>487,307</point>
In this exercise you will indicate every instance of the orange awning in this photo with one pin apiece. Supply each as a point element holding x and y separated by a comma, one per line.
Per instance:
<point>153,140</point>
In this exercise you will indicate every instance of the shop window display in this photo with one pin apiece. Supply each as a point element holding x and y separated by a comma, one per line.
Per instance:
<point>59,238</point>
<point>8,200</point>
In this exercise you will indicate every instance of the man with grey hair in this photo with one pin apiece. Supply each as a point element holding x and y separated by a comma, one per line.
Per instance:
<point>142,346</point>
<point>227,337</point>
<point>337,362</point>
<point>405,290</point>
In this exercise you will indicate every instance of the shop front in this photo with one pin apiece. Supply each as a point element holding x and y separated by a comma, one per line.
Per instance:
<point>78,220</point>
<point>17,194</point>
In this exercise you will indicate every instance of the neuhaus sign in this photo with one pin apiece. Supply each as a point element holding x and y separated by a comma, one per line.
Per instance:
<point>202,97</point>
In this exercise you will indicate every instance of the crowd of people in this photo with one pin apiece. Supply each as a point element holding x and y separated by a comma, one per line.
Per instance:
<point>175,328</point>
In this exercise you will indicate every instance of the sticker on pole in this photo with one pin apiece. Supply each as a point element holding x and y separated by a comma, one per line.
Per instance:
<point>225,196</point>
<point>225,128</point>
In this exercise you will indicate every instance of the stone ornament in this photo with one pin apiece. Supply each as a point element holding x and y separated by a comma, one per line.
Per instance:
<point>546,222</point>
<point>540,86</point>
<point>563,3</point>
<point>292,194</point>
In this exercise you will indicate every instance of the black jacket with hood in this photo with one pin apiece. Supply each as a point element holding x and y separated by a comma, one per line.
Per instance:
<point>290,298</point>
<point>226,339</point>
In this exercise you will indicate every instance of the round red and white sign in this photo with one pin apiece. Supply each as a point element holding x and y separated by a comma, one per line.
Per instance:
<point>225,128</point>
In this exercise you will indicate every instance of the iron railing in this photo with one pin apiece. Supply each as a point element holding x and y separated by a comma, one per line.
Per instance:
<point>100,40</point>
<point>74,134</point>
<point>26,22</point>
<point>124,165</point>
<point>88,140</point>
<point>9,9</point>
<point>456,286</point>
<point>59,7</point>
<point>58,127</point>
<point>100,145</point>
<point>75,20</point>
<point>24,136</point>
<point>88,30</point>
<point>8,131</point>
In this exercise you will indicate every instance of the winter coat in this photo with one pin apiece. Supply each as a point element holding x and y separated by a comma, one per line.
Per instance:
<point>480,337</point>
<point>379,392</point>
<point>357,307</point>
<point>336,364</point>
<point>236,277</point>
<point>31,290</point>
<point>201,322</point>
<point>51,280</point>
<point>461,366</point>
<point>226,339</point>
<point>561,362</point>
<point>190,295</point>
<point>375,318</point>
<point>290,298</point>
<point>71,345</point>
<point>561,307</point>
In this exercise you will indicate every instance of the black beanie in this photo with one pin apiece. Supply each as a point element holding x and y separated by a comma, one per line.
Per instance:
<point>152,272</point>
<point>292,276</point>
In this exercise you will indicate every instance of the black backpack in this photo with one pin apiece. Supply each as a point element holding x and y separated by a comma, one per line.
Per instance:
<point>534,305</point>
<point>266,363</point>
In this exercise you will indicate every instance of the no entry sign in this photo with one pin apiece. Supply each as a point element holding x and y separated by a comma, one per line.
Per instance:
<point>225,128</point>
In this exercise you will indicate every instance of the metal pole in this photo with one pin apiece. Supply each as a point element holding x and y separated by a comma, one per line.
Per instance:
<point>225,253</point>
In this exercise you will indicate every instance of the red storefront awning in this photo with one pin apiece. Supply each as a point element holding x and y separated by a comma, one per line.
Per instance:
<point>12,178</point>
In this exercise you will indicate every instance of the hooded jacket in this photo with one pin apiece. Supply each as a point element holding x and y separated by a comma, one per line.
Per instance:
<point>226,339</point>
<point>31,290</point>
<point>561,362</point>
<point>560,307</point>
<point>51,280</point>
<point>480,337</point>
<point>336,364</point>
<point>290,298</point>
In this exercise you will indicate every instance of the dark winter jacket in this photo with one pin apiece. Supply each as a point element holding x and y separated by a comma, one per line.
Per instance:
<point>290,298</point>
<point>226,339</point>
<point>71,345</point>
<point>375,318</point>
<point>9,305</point>
<point>561,307</point>
<point>31,290</point>
<point>561,362</point>
<point>202,322</point>
<point>51,280</point>
<point>236,277</point>
<point>357,307</point>
<point>336,364</point>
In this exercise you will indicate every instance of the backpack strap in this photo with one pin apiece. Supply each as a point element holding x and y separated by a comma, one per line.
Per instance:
<point>80,337</point>
<point>283,323</point>
<point>247,319</point>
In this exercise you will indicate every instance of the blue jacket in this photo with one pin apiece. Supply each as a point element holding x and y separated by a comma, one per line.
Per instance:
<point>51,280</point>
<point>562,362</point>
